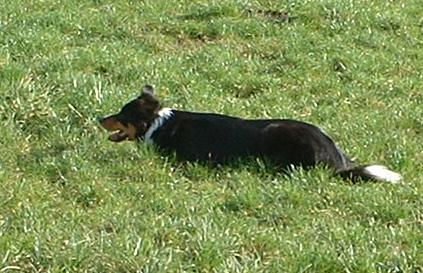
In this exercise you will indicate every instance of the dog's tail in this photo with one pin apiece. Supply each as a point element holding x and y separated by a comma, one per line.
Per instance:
<point>370,173</point>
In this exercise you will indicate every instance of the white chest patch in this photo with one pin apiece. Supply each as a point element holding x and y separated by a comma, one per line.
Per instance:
<point>164,114</point>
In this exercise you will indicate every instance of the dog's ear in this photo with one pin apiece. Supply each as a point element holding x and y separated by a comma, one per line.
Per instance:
<point>147,100</point>
<point>148,89</point>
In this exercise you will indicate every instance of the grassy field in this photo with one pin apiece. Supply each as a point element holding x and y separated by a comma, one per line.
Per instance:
<point>70,201</point>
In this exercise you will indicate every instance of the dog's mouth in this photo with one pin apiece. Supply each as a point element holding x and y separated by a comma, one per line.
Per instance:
<point>118,136</point>
<point>117,131</point>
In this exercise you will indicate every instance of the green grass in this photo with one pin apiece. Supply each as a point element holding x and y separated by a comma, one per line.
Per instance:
<point>70,201</point>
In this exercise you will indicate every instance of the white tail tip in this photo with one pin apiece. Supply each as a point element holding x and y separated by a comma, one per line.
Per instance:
<point>382,173</point>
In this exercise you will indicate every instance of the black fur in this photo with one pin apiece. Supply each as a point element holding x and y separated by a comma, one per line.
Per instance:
<point>219,138</point>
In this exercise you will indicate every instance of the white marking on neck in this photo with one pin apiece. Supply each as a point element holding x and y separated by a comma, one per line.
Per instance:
<point>164,114</point>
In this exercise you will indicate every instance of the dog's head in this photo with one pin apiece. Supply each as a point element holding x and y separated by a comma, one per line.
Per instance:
<point>134,119</point>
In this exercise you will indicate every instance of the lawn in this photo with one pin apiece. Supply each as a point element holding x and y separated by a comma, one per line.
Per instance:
<point>71,201</point>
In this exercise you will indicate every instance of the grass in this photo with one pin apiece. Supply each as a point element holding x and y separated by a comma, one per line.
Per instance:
<point>70,201</point>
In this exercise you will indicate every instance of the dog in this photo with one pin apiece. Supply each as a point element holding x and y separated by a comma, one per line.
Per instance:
<point>220,139</point>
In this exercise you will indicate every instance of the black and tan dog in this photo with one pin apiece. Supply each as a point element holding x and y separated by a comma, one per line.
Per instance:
<point>220,139</point>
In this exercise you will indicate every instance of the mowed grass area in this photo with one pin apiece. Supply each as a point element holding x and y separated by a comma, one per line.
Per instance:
<point>70,201</point>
